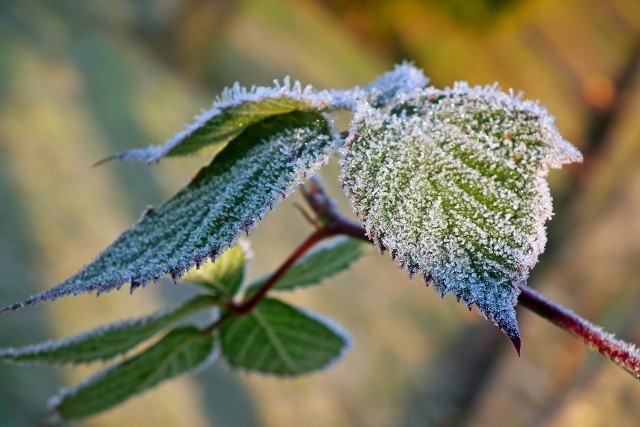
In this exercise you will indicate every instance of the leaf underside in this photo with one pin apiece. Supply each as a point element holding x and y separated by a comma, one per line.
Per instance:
<point>452,183</point>
<point>249,177</point>
<point>276,338</point>
<point>180,351</point>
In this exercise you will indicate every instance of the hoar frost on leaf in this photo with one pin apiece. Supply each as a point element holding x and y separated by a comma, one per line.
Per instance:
<point>236,109</point>
<point>452,183</point>
<point>249,177</point>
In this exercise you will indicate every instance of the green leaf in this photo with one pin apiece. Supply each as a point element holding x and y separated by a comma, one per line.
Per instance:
<point>323,262</point>
<point>452,183</point>
<point>249,177</point>
<point>225,275</point>
<point>276,338</point>
<point>104,342</point>
<point>180,351</point>
<point>236,110</point>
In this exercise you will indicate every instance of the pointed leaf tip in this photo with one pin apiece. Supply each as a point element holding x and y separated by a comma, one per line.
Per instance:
<point>452,183</point>
<point>516,344</point>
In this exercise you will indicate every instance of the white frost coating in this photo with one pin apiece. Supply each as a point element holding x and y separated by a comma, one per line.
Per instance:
<point>238,108</point>
<point>103,342</point>
<point>258,103</point>
<point>452,183</point>
<point>404,79</point>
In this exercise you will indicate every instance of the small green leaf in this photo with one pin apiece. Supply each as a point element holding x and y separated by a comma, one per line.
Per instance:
<point>236,110</point>
<point>225,275</point>
<point>323,262</point>
<point>249,177</point>
<point>452,183</point>
<point>104,342</point>
<point>180,351</point>
<point>276,338</point>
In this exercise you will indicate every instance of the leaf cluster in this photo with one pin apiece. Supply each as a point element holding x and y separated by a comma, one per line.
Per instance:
<point>275,338</point>
<point>451,182</point>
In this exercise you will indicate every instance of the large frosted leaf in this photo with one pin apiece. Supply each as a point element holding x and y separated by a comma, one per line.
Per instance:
<point>323,262</point>
<point>250,176</point>
<point>231,114</point>
<point>182,350</point>
<point>104,342</point>
<point>276,338</point>
<point>452,183</point>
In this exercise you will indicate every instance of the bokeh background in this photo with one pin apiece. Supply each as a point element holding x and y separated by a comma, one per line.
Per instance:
<point>82,80</point>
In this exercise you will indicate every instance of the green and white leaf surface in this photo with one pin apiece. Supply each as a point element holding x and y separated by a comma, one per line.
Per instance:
<point>250,176</point>
<point>452,183</point>
<point>238,108</point>
<point>235,110</point>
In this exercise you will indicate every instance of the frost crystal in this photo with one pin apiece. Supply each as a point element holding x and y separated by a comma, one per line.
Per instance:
<point>452,183</point>
<point>249,177</point>
<point>404,79</point>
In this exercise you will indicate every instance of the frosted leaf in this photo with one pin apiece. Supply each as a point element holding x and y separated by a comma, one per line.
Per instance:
<point>233,112</point>
<point>249,177</point>
<point>452,183</point>
<point>404,79</point>
<point>279,339</point>
<point>104,342</point>
<point>239,108</point>
<point>181,350</point>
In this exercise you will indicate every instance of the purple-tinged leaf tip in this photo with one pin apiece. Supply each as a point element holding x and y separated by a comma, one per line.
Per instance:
<point>516,343</point>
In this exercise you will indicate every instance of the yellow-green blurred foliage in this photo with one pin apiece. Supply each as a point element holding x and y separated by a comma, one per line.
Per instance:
<point>80,80</point>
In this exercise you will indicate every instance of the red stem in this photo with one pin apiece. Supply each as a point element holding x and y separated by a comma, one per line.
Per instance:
<point>620,352</point>
<point>246,306</point>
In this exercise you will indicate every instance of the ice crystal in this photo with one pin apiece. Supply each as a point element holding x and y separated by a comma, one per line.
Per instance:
<point>452,183</point>
<point>404,79</point>
<point>249,177</point>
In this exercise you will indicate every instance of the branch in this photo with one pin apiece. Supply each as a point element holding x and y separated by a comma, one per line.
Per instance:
<point>252,302</point>
<point>621,353</point>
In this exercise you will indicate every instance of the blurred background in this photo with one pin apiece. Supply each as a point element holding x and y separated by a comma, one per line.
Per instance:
<point>82,80</point>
